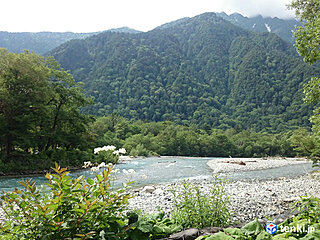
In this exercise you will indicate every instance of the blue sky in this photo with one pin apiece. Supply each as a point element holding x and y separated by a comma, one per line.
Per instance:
<point>99,15</point>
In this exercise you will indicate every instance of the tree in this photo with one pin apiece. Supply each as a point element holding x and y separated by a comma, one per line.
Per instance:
<point>308,46</point>
<point>39,108</point>
<point>308,35</point>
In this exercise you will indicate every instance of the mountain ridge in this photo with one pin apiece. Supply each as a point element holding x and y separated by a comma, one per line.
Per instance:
<point>42,42</point>
<point>282,27</point>
<point>203,70</point>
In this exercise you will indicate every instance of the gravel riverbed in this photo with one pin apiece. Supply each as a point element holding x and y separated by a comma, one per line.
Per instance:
<point>249,199</point>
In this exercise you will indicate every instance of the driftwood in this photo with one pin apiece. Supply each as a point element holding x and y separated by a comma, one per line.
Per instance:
<point>236,162</point>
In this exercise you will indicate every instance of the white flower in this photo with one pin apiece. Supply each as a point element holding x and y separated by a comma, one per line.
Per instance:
<point>125,171</point>
<point>87,164</point>
<point>102,165</point>
<point>122,151</point>
<point>104,148</point>
<point>97,150</point>
<point>95,169</point>
<point>109,147</point>
<point>116,152</point>
<point>131,171</point>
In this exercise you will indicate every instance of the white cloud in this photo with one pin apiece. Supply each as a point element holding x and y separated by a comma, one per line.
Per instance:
<point>266,8</point>
<point>98,15</point>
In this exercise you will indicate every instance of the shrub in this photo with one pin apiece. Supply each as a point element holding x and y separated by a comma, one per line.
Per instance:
<point>107,154</point>
<point>67,209</point>
<point>195,208</point>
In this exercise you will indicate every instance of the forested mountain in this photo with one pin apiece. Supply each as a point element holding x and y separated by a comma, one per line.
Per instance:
<point>203,70</point>
<point>283,28</point>
<point>42,42</point>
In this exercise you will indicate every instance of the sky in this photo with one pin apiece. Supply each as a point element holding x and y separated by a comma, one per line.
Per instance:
<point>100,15</point>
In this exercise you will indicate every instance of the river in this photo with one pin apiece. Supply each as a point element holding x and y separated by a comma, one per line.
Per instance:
<point>154,170</point>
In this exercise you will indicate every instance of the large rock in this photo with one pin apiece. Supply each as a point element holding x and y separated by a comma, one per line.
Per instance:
<point>148,189</point>
<point>158,191</point>
<point>189,234</point>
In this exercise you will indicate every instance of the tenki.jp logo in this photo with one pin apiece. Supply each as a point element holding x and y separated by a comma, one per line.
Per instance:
<point>299,228</point>
<point>271,228</point>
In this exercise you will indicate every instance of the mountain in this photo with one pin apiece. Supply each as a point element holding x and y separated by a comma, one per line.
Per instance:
<point>43,42</point>
<point>283,28</point>
<point>202,70</point>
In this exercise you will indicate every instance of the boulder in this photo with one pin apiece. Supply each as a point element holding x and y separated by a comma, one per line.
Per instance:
<point>158,191</point>
<point>148,189</point>
<point>189,234</point>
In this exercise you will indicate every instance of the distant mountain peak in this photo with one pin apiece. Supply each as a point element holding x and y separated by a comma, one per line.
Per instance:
<point>282,27</point>
<point>124,30</point>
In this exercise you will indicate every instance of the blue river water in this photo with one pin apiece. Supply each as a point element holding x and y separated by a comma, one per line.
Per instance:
<point>156,170</point>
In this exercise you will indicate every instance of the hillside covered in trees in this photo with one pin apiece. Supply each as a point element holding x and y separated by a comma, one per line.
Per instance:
<point>203,70</point>
<point>42,42</point>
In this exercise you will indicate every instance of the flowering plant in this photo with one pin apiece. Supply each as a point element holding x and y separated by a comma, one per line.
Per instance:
<point>108,154</point>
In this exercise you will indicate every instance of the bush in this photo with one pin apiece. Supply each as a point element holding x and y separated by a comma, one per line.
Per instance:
<point>194,208</point>
<point>106,156</point>
<point>67,209</point>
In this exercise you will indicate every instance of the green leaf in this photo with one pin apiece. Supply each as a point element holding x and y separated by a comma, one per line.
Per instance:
<point>312,236</point>
<point>80,210</point>
<point>264,236</point>
<point>145,227</point>
<point>234,231</point>
<point>99,177</point>
<point>220,236</point>
<point>253,228</point>
<point>90,181</point>
<point>283,236</point>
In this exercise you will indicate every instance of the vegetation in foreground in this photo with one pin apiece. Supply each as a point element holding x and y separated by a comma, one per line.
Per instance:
<point>82,208</point>
<point>77,208</point>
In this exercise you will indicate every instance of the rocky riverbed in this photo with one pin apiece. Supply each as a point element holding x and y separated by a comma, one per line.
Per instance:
<point>225,165</point>
<point>249,199</point>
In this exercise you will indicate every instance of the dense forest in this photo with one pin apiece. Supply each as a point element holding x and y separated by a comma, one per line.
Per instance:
<point>202,70</point>
<point>194,87</point>
<point>42,42</point>
<point>166,138</point>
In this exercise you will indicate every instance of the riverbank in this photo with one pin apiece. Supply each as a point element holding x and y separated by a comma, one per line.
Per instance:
<point>225,165</point>
<point>248,199</point>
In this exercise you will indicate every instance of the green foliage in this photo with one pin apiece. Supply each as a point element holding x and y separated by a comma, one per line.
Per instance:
<point>251,231</point>
<point>203,70</point>
<point>68,209</point>
<point>307,45</point>
<point>106,157</point>
<point>308,218</point>
<point>307,36</point>
<point>166,138</point>
<point>153,226</point>
<point>195,208</point>
<point>39,111</point>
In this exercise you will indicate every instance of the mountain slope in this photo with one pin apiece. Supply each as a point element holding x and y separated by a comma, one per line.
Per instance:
<point>43,42</point>
<point>202,70</point>
<point>283,28</point>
